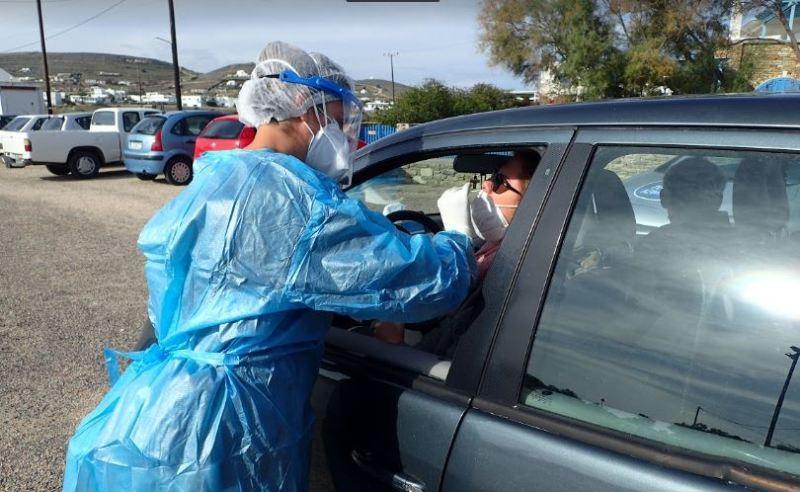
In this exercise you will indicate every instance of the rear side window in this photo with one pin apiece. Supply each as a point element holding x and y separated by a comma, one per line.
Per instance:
<point>38,124</point>
<point>53,123</point>
<point>673,310</point>
<point>103,118</point>
<point>190,126</point>
<point>149,126</point>
<point>16,124</point>
<point>226,129</point>
<point>84,122</point>
<point>129,120</point>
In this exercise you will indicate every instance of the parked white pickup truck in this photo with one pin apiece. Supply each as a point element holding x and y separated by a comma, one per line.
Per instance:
<point>82,153</point>
<point>22,123</point>
<point>16,146</point>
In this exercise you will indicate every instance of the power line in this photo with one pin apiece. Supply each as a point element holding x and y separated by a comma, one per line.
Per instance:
<point>68,29</point>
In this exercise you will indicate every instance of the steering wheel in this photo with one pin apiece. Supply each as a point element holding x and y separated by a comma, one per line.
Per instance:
<point>413,216</point>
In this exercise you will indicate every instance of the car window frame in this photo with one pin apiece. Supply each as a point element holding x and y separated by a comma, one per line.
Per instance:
<point>502,383</point>
<point>471,354</point>
<point>139,118</point>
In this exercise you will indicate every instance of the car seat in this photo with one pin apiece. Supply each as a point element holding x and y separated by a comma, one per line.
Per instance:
<point>760,202</point>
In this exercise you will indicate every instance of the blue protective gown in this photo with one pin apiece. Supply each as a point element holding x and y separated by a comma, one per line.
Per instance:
<point>245,268</point>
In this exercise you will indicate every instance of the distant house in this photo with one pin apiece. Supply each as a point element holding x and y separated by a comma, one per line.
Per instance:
<point>225,101</point>
<point>56,98</point>
<point>192,101</point>
<point>231,83</point>
<point>242,74</point>
<point>158,98</point>
<point>377,104</point>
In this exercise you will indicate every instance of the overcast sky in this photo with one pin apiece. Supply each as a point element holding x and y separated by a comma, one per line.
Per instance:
<point>434,39</point>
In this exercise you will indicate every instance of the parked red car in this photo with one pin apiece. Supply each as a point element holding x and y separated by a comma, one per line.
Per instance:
<point>224,133</point>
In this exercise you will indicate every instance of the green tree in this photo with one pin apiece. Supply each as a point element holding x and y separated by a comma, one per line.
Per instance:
<point>433,100</point>
<point>612,48</point>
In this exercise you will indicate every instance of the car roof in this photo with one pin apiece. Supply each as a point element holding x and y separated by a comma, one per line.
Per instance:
<point>227,117</point>
<point>742,110</point>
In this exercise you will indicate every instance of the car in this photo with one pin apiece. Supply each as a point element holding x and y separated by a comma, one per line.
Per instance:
<point>166,144</point>
<point>82,153</point>
<point>599,353</point>
<point>614,347</point>
<point>6,119</point>
<point>18,125</point>
<point>18,146</point>
<point>224,133</point>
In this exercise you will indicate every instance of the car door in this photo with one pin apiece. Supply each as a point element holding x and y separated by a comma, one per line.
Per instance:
<point>387,414</point>
<point>187,129</point>
<point>640,359</point>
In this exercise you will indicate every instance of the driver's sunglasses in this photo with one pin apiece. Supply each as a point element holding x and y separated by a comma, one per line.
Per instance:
<point>500,179</point>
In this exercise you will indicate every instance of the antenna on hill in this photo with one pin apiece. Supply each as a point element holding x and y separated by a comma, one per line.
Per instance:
<point>44,58</point>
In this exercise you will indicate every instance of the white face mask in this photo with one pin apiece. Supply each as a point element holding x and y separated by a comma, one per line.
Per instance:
<point>329,152</point>
<point>487,218</point>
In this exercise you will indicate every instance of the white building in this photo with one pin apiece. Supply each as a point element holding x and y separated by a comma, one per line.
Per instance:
<point>56,98</point>
<point>192,101</point>
<point>225,101</point>
<point>158,98</point>
<point>242,74</point>
<point>376,104</point>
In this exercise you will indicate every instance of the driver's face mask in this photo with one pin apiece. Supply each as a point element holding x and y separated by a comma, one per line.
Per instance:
<point>329,150</point>
<point>487,217</point>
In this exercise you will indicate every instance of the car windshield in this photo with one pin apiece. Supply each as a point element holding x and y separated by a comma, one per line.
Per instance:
<point>149,126</point>
<point>16,124</point>
<point>53,124</point>
<point>226,129</point>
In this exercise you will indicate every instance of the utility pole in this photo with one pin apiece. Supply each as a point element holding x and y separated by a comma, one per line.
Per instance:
<point>44,58</point>
<point>794,356</point>
<point>391,64</point>
<point>696,415</point>
<point>175,66</point>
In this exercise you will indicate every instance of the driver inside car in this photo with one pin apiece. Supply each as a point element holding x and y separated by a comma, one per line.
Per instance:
<point>484,219</point>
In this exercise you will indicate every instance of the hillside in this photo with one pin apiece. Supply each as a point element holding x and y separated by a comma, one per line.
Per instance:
<point>98,66</point>
<point>154,74</point>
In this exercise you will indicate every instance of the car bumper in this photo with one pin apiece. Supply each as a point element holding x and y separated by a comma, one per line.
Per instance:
<point>150,164</point>
<point>11,160</point>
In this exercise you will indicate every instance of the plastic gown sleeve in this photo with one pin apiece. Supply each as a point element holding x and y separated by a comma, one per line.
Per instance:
<point>351,260</point>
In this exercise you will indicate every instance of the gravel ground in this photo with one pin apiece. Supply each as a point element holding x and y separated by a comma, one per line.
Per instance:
<point>71,283</point>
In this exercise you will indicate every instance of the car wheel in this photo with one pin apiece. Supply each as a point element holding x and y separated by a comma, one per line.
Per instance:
<point>178,171</point>
<point>58,169</point>
<point>146,176</point>
<point>84,164</point>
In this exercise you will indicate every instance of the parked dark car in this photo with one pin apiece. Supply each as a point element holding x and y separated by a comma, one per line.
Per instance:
<point>165,143</point>
<point>613,344</point>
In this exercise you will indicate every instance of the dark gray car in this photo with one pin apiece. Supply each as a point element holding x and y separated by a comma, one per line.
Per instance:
<point>609,346</point>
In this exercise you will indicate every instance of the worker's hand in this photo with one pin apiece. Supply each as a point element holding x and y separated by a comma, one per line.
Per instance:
<point>454,209</point>
<point>389,332</point>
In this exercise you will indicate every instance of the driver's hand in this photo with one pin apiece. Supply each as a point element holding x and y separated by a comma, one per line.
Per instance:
<point>454,209</point>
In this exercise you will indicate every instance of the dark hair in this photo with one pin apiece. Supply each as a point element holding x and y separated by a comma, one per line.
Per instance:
<point>530,159</point>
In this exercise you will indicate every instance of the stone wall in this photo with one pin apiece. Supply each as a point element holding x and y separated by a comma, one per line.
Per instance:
<point>771,58</point>
<point>435,171</point>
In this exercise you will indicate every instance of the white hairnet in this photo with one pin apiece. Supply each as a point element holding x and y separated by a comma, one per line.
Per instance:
<point>263,100</point>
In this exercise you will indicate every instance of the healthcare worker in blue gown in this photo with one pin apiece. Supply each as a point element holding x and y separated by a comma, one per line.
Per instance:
<point>245,269</point>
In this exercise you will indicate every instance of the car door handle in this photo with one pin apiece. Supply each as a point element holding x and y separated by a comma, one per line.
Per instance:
<point>398,481</point>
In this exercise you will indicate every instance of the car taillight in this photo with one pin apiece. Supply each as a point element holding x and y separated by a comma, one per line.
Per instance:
<point>157,145</point>
<point>247,136</point>
<point>28,145</point>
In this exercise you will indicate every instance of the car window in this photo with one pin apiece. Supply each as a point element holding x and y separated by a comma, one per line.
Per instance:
<point>129,120</point>
<point>149,126</point>
<point>53,123</point>
<point>16,124</point>
<point>37,125</point>
<point>416,186</point>
<point>84,122</point>
<point>103,118</point>
<point>190,126</point>
<point>227,129</point>
<point>672,312</point>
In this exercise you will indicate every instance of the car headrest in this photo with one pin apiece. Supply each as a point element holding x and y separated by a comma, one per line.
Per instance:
<point>609,221</point>
<point>479,163</point>
<point>759,195</point>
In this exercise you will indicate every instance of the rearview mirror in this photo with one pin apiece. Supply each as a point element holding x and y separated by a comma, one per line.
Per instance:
<point>479,163</point>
